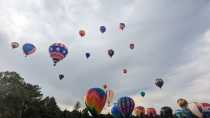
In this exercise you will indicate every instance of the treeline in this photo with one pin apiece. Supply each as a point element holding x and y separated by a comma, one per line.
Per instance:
<point>19,99</point>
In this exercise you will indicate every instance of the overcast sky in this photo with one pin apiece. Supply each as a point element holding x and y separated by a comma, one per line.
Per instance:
<point>172,41</point>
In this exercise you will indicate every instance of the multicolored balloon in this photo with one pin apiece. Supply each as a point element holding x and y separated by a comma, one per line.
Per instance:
<point>142,93</point>
<point>125,106</point>
<point>95,100</point>
<point>139,111</point>
<point>87,54</point>
<point>159,82</point>
<point>82,33</point>
<point>14,45</point>
<point>206,110</point>
<point>166,112</point>
<point>110,95</point>
<point>196,109</point>
<point>102,29</point>
<point>122,26</point>
<point>115,112</point>
<point>28,49</point>
<point>151,112</point>
<point>111,52</point>
<point>58,52</point>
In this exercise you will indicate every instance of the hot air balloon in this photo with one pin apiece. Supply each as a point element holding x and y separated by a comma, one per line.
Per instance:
<point>196,109</point>
<point>122,26</point>
<point>58,52</point>
<point>182,103</point>
<point>28,49</point>
<point>14,45</point>
<point>110,95</point>
<point>82,33</point>
<point>159,82</point>
<point>206,110</point>
<point>61,76</point>
<point>95,100</point>
<point>139,111</point>
<point>183,113</point>
<point>125,106</point>
<point>111,52</point>
<point>166,112</point>
<point>132,46</point>
<point>142,93</point>
<point>105,86</point>
<point>87,54</point>
<point>115,112</point>
<point>102,29</point>
<point>151,112</point>
<point>125,71</point>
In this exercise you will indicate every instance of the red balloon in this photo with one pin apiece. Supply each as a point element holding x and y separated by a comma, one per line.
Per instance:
<point>82,33</point>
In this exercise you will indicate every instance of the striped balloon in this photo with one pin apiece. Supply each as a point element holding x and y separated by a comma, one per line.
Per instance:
<point>58,52</point>
<point>126,106</point>
<point>139,111</point>
<point>95,100</point>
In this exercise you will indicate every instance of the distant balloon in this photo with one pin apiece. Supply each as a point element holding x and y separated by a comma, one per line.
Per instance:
<point>58,52</point>
<point>61,76</point>
<point>125,71</point>
<point>95,100</point>
<point>87,54</point>
<point>159,82</point>
<point>122,26</point>
<point>142,93</point>
<point>82,33</point>
<point>111,52</point>
<point>132,46</point>
<point>105,86</point>
<point>28,49</point>
<point>151,112</point>
<point>14,45</point>
<point>139,111</point>
<point>110,95</point>
<point>115,112</point>
<point>166,112</point>
<point>102,29</point>
<point>196,109</point>
<point>125,106</point>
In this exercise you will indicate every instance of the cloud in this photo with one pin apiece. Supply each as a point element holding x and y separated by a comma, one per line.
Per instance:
<point>171,41</point>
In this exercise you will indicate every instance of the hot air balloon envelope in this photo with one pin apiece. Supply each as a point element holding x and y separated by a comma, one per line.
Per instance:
<point>95,100</point>
<point>58,52</point>
<point>125,106</point>
<point>29,49</point>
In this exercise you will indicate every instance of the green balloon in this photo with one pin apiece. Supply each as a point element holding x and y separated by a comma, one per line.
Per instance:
<point>142,93</point>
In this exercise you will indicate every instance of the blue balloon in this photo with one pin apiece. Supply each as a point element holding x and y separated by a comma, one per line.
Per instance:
<point>87,54</point>
<point>102,29</point>
<point>125,106</point>
<point>28,49</point>
<point>115,112</point>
